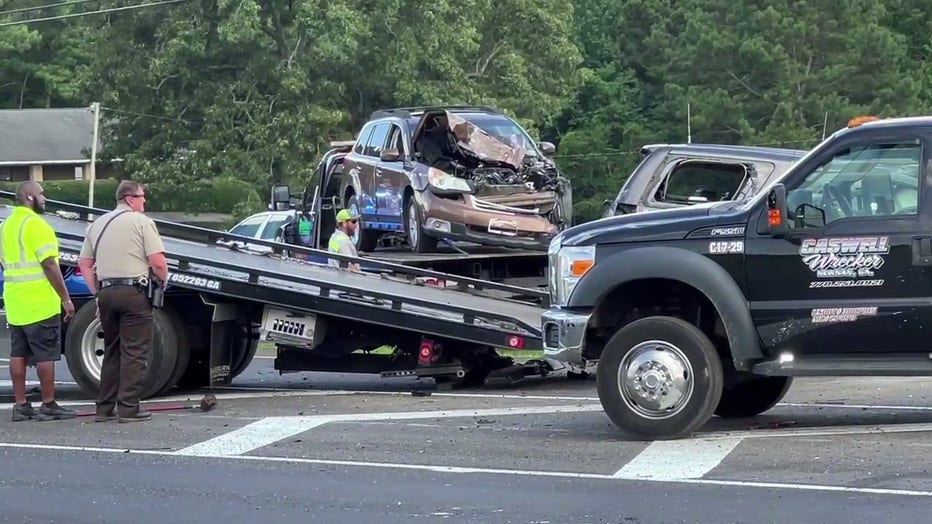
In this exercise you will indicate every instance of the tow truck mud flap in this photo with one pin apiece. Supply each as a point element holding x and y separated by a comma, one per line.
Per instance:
<point>221,351</point>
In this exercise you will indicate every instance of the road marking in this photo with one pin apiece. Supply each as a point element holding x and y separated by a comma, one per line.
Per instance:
<point>853,429</point>
<point>273,429</point>
<point>480,471</point>
<point>678,459</point>
<point>253,436</point>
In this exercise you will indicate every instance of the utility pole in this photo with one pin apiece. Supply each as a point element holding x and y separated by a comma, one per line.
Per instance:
<point>93,172</point>
<point>689,125</point>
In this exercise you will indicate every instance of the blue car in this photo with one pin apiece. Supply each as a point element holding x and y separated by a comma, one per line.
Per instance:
<point>74,281</point>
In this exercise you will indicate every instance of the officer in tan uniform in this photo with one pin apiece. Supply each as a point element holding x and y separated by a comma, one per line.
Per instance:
<point>119,249</point>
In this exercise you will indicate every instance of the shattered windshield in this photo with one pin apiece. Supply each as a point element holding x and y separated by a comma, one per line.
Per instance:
<point>504,129</point>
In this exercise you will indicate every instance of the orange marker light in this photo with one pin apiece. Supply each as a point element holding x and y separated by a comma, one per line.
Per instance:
<point>579,267</point>
<point>774,217</point>
<point>858,120</point>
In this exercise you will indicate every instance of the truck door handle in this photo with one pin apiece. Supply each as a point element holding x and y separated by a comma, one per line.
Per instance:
<point>922,251</point>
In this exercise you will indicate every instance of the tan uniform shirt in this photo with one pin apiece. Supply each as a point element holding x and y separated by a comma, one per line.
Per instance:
<point>125,245</point>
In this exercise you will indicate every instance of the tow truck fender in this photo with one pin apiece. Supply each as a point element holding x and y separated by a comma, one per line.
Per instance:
<point>684,266</point>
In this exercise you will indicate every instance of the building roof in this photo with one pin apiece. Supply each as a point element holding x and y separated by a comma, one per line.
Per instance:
<point>46,136</point>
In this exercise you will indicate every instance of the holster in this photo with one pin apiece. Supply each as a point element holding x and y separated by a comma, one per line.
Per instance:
<point>155,291</point>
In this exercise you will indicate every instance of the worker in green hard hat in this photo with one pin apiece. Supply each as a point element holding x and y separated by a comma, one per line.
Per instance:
<point>341,240</point>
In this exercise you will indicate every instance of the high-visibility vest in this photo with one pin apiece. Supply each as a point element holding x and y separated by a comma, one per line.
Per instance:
<point>336,240</point>
<point>26,240</point>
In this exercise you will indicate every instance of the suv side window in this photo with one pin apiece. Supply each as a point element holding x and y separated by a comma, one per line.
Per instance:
<point>862,181</point>
<point>360,146</point>
<point>695,181</point>
<point>396,140</point>
<point>377,140</point>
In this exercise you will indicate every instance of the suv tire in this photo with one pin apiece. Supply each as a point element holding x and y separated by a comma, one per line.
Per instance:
<point>414,227</point>
<point>663,357</point>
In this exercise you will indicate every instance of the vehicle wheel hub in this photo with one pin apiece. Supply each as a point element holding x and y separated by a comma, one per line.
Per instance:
<point>92,349</point>
<point>655,379</point>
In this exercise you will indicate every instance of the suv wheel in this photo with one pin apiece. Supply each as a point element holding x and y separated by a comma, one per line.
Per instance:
<point>414,228</point>
<point>366,240</point>
<point>659,378</point>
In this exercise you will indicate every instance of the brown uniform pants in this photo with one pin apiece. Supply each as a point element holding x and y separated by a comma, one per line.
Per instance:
<point>126,316</point>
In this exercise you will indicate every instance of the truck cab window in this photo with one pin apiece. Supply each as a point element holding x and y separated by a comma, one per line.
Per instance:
<point>869,180</point>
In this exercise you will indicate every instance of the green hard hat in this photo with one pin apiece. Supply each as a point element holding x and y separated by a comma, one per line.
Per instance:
<point>346,214</point>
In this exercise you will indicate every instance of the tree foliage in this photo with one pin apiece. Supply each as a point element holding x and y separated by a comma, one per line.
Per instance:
<point>253,89</point>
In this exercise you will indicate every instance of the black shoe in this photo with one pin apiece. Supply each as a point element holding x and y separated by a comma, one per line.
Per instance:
<point>23,412</point>
<point>139,416</point>
<point>106,417</point>
<point>53,411</point>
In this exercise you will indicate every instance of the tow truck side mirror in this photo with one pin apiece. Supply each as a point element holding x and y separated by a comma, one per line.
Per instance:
<point>547,148</point>
<point>776,211</point>
<point>281,197</point>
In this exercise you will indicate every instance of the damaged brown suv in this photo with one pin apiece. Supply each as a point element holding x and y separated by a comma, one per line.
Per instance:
<point>453,172</point>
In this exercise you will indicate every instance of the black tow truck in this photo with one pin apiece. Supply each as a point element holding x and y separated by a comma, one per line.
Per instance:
<point>712,309</point>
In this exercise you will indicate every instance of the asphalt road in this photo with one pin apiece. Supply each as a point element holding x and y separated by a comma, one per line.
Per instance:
<point>342,448</point>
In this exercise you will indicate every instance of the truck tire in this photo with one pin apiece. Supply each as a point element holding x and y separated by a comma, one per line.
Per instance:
<point>84,351</point>
<point>659,378</point>
<point>752,397</point>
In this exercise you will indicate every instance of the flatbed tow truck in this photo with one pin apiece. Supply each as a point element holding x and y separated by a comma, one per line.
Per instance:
<point>219,303</point>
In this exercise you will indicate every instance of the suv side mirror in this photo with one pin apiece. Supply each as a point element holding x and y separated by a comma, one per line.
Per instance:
<point>281,196</point>
<point>547,148</point>
<point>776,211</point>
<point>390,155</point>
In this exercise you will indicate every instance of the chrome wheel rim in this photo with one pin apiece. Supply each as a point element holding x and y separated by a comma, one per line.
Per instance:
<point>92,349</point>
<point>656,379</point>
<point>412,224</point>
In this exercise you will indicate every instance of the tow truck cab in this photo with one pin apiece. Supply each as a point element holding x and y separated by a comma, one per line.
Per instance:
<point>713,308</point>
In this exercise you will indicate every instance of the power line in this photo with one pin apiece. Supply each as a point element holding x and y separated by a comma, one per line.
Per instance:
<point>111,10</point>
<point>47,6</point>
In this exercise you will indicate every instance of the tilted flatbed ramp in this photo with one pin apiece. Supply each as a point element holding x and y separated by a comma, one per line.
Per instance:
<point>293,284</point>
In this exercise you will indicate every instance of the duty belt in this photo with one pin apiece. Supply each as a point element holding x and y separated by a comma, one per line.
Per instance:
<point>107,282</point>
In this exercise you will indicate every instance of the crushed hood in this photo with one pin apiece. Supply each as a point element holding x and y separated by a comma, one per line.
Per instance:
<point>468,138</point>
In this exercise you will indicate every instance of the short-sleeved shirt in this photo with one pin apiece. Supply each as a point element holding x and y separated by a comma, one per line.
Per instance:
<point>28,296</point>
<point>341,243</point>
<point>125,245</point>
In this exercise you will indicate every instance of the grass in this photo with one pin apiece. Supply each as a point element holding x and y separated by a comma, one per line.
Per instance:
<point>268,348</point>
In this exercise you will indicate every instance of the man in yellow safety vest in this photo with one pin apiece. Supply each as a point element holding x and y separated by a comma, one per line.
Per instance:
<point>34,294</point>
<point>341,240</point>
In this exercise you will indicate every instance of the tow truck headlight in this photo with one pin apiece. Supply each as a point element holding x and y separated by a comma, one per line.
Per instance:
<point>567,266</point>
<point>444,181</point>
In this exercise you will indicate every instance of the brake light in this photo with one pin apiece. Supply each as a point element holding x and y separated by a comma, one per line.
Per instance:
<point>516,342</point>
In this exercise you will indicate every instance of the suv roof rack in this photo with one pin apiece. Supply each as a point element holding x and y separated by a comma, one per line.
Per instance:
<point>406,112</point>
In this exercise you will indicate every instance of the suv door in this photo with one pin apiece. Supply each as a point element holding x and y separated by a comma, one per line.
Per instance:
<point>845,278</point>
<point>390,178</point>
<point>368,192</point>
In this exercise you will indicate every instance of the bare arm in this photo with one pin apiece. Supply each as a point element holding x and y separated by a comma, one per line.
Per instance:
<point>87,271</point>
<point>53,273</point>
<point>155,251</point>
<point>159,265</point>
